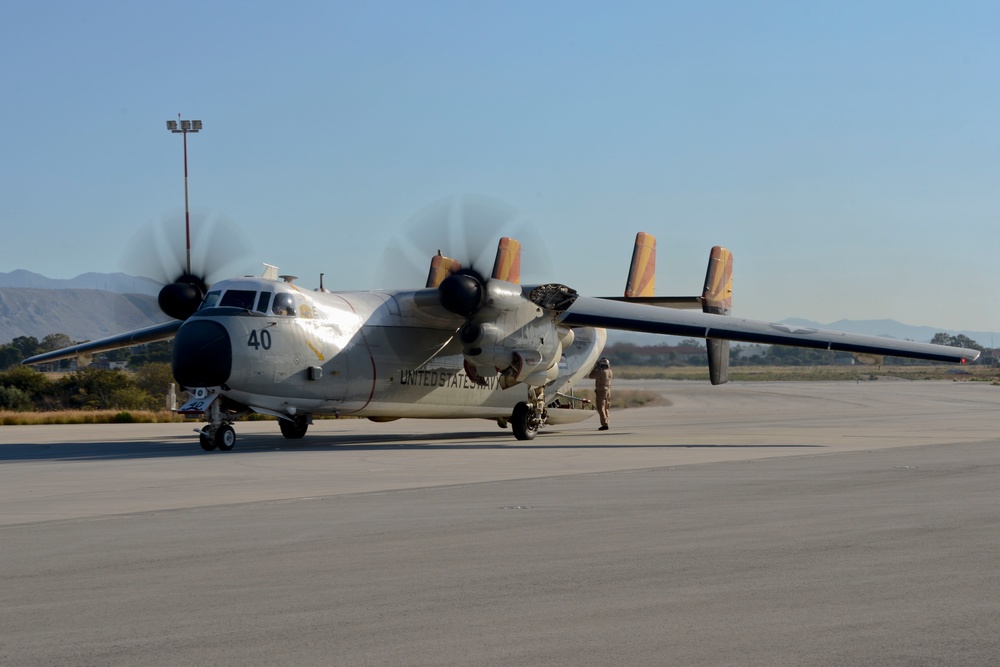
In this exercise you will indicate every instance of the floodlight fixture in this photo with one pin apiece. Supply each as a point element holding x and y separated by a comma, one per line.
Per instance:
<point>184,127</point>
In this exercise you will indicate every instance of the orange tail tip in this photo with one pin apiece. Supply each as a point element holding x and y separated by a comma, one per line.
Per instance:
<point>642,272</point>
<point>717,297</point>
<point>508,262</point>
<point>441,268</point>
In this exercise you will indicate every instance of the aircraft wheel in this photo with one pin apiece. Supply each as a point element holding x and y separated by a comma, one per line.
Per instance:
<point>503,422</point>
<point>295,428</point>
<point>521,422</point>
<point>207,443</point>
<point>225,438</point>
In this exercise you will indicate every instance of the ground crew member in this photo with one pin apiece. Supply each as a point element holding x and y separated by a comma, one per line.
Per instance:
<point>601,375</point>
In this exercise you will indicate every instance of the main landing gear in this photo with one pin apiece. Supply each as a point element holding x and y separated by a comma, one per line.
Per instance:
<point>294,428</point>
<point>530,416</point>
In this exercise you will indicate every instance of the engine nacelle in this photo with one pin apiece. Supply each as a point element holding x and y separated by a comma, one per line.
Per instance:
<point>462,292</point>
<point>506,333</point>
<point>179,300</point>
<point>482,346</point>
<point>530,367</point>
<point>530,354</point>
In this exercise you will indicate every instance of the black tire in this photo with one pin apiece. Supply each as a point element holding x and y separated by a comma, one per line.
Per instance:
<point>295,428</point>
<point>521,422</point>
<point>206,442</point>
<point>225,438</point>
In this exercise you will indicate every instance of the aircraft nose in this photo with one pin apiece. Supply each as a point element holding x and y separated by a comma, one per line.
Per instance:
<point>203,354</point>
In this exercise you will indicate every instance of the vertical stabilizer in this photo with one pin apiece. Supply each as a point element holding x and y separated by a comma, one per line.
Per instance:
<point>441,268</point>
<point>642,273</point>
<point>508,262</point>
<point>717,298</point>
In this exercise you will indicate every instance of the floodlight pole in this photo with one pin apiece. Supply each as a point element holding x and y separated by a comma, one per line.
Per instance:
<point>183,127</point>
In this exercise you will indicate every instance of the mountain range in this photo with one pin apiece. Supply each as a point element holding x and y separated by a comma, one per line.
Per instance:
<point>119,283</point>
<point>90,306</point>
<point>94,305</point>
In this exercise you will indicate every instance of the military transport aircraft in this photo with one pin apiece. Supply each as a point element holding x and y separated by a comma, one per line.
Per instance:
<point>464,346</point>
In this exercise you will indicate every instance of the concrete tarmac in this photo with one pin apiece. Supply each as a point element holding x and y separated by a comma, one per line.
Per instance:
<point>748,524</point>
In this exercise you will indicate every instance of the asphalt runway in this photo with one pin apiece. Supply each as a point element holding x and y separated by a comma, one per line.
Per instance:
<point>748,524</point>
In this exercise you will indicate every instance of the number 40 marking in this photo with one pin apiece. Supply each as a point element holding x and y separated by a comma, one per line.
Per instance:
<point>261,340</point>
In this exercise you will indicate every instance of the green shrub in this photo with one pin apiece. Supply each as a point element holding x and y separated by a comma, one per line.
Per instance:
<point>132,398</point>
<point>12,398</point>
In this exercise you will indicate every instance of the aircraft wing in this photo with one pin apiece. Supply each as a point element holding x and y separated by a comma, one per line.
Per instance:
<point>595,312</point>
<point>664,301</point>
<point>151,334</point>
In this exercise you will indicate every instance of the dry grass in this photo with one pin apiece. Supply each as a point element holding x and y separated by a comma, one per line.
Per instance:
<point>88,417</point>
<point>626,398</point>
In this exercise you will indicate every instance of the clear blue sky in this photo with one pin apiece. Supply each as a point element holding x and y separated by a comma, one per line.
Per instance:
<point>848,153</point>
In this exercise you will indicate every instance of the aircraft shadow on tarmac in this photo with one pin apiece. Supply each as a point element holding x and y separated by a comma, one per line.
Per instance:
<point>185,445</point>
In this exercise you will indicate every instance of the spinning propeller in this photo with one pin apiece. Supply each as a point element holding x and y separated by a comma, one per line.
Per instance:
<point>467,229</point>
<point>158,252</point>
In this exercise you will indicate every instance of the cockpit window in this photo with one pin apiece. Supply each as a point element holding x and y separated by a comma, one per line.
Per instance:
<point>263,302</point>
<point>239,298</point>
<point>211,299</point>
<point>284,304</point>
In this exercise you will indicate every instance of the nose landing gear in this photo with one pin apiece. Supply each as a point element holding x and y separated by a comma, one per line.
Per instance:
<point>218,433</point>
<point>222,437</point>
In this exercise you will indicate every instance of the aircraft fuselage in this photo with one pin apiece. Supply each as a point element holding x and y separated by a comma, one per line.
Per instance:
<point>280,349</point>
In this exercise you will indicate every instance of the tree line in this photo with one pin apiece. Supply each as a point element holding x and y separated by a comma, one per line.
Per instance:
<point>25,389</point>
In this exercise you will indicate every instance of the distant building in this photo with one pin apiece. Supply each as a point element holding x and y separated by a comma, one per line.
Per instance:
<point>110,365</point>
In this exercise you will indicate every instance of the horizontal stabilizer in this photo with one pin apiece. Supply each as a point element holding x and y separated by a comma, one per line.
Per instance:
<point>641,282</point>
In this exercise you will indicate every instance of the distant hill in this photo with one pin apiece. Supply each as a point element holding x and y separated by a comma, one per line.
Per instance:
<point>119,283</point>
<point>81,314</point>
